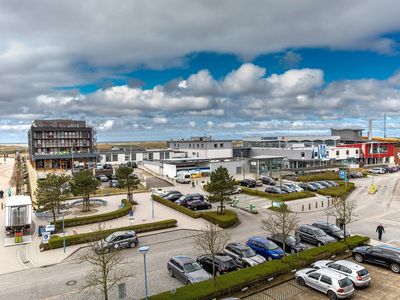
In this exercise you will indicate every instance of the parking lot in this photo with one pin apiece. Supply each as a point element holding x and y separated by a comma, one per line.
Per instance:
<point>385,285</point>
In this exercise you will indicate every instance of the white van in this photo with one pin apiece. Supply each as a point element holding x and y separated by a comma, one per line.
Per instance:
<point>183,178</point>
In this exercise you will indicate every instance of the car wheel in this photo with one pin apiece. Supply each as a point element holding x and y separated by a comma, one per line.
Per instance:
<point>188,282</point>
<point>170,272</point>
<point>319,244</point>
<point>132,245</point>
<point>358,258</point>
<point>332,295</point>
<point>269,258</point>
<point>194,208</point>
<point>395,268</point>
<point>301,281</point>
<point>209,207</point>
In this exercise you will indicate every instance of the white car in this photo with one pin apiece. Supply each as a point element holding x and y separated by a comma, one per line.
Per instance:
<point>157,191</point>
<point>294,187</point>
<point>331,283</point>
<point>377,171</point>
<point>357,273</point>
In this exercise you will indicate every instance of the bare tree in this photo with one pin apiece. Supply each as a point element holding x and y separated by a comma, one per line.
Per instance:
<point>106,270</point>
<point>210,242</point>
<point>17,178</point>
<point>282,221</point>
<point>342,209</point>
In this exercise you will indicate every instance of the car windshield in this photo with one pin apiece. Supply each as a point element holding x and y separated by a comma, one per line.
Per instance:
<point>109,238</point>
<point>290,239</point>
<point>248,252</point>
<point>319,232</point>
<point>270,245</point>
<point>345,282</point>
<point>181,198</point>
<point>228,264</point>
<point>362,272</point>
<point>191,267</point>
<point>333,227</point>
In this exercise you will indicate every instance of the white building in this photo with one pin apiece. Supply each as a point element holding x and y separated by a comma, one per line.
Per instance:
<point>203,147</point>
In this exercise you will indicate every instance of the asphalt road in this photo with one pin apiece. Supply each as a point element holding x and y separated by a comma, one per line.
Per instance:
<point>51,282</point>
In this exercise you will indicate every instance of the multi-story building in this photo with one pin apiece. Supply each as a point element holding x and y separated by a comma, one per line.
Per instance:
<point>61,144</point>
<point>290,141</point>
<point>203,147</point>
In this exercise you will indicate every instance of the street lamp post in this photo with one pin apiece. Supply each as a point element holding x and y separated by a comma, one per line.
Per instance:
<point>144,250</point>
<point>63,229</point>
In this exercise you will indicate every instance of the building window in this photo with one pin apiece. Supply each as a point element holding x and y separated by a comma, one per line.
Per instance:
<point>115,157</point>
<point>202,145</point>
<point>356,151</point>
<point>190,145</point>
<point>151,156</point>
<point>303,154</point>
<point>347,152</point>
<point>198,145</point>
<point>126,157</point>
<point>221,145</point>
<point>108,158</point>
<point>194,153</point>
<point>133,156</point>
<point>215,145</point>
<point>337,152</point>
<point>166,155</point>
<point>238,170</point>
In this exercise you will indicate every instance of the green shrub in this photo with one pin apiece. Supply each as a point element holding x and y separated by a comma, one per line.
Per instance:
<point>319,176</point>
<point>234,281</point>
<point>338,191</point>
<point>277,197</point>
<point>96,218</point>
<point>228,219</point>
<point>177,207</point>
<point>57,241</point>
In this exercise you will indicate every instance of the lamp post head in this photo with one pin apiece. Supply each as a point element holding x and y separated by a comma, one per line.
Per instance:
<point>144,249</point>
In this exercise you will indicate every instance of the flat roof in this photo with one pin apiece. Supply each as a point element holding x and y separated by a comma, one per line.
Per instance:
<point>266,156</point>
<point>64,156</point>
<point>18,200</point>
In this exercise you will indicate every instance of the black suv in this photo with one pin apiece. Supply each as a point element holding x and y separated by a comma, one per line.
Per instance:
<point>381,255</point>
<point>331,229</point>
<point>291,244</point>
<point>117,240</point>
<point>267,180</point>
<point>186,199</point>
<point>313,235</point>
<point>248,183</point>
<point>223,263</point>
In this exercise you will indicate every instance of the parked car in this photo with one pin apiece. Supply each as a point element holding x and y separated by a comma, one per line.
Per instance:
<point>313,235</point>
<point>377,171</point>
<point>172,197</point>
<point>318,185</point>
<point>185,199</point>
<point>107,166</point>
<point>259,183</point>
<point>274,190</point>
<point>198,205</point>
<point>324,183</point>
<point>113,183</point>
<point>131,164</point>
<point>248,183</point>
<point>286,189</point>
<point>265,248</point>
<point>168,193</point>
<point>331,283</point>
<point>223,263</point>
<point>243,255</point>
<point>294,187</point>
<point>103,178</point>
<point>380,255</point>
<point>291,244</point>
<point>186,269</point>
<point>117,240</point>
<point>236,190</point>
<point>354,174</point>
<point>392,169</point>
<point>157,191</point>
<point>331,229</point>
<point>357,273</point>
<point>307,186</point>
<point>267,180</point>
<point>334,183</point>
<point>99,166</point>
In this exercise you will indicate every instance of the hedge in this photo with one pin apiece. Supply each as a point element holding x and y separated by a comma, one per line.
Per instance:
<point>319,176</point>
<point>233,282</point>
<point>228,219</point>
<point>338,191</point>
<point>96,218</point>
<point>278,197</point>
<point>56,241</point>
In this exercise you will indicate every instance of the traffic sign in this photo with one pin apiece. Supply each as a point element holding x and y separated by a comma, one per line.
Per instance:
<point>342,174</point>
<point>46,237</point>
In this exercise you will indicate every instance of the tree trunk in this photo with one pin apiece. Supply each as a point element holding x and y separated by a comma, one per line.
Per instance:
<point>213,268</point>
<point>54,218</point>
<point>284,250</point>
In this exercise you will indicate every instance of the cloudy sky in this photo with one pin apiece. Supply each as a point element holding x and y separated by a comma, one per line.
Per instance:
<point>160,69</point>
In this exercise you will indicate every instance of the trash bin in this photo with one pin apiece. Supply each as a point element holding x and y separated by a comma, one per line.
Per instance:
<point>252,208</point>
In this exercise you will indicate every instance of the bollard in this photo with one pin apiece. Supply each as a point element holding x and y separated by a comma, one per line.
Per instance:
<point>309,206</point>
<point>322,203</point>
<point>302,207</point>
<point>316,204</point>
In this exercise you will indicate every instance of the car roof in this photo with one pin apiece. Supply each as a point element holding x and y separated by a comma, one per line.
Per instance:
<point>331,273</point>
<point>350,265</point>
<point>240,246</point>
<point>387,247</point>
<point>309,226</point>
<point>258,239</point>
<point>183,259</point>
<point>323,223</point>
<point>118,233</point>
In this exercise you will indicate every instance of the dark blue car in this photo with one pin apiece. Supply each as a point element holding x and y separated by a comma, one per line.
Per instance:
<point>265,248</point>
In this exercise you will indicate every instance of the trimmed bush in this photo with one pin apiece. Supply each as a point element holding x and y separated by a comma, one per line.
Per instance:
<point>232,282</point>
<point>338,191</point>
<point>319,176</point>
<point>228,219</point>
<point>57,241</point>
<point>96,218</point>
<point>177,207</point>
<point>277,197</point>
